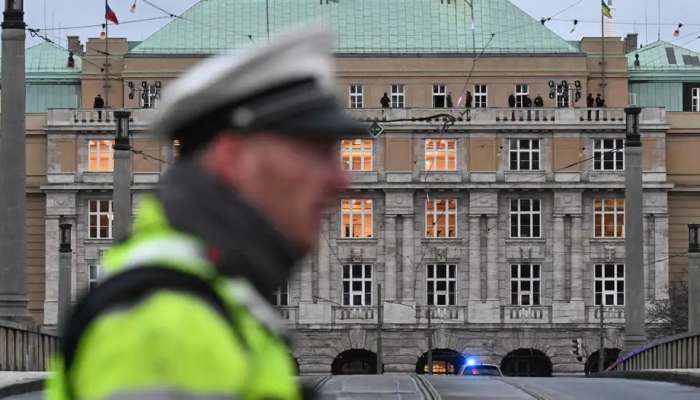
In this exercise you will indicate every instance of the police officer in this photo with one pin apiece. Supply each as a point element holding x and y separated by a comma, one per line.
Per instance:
<point>182,312</point>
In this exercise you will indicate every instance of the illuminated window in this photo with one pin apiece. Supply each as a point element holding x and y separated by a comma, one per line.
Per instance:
<point>525,218</point>
<point>609,218</point>
<point>525,284</point>
<point>100,219</point>
<point>441,367</point>
<point>480,97</point>
<point>521,91</point>
<point>610,284</point>
<point>356,154</point>
<point>439,96</point>
<point>608,155</point>
<point>695,100</point>
<point>441,284</point>
<point>280,297</point>
<point>101,156</point>
<point>356,98</point>
<point>398,96</point>
<point>440,218</point>
<point>440,154</point>
<point>524,154</point>
<point>357,285</point>
<point>356,216</point>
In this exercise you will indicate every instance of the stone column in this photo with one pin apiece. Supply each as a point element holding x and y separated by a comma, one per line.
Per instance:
<point>559,260</point>
<point>474,258</point>
<point>492,275</point>
<point>306,280</point>
<point>409,273</point>
<point>693,278</point>
<point>324,261</point>
<point>577,267</point>
<point>390,257</point>
<point>661,267</point>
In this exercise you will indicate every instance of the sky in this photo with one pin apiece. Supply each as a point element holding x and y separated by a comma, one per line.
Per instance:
<point>630,16</point>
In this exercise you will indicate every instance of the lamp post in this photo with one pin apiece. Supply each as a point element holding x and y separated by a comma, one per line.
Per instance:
<point>635,333</point>
<point>13,300</point>
<point>65,260</point>
<point>693,278</point>
<point>122,177</point>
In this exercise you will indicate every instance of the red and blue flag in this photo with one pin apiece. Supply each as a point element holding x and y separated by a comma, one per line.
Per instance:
<point>110,15</point>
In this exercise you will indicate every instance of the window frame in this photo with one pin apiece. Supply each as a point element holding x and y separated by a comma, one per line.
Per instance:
<point>366,209</point>
<point>97,145</point>
<point>600,151</point>
<point>618,291</point>
<point>476,103</point>
<point>365,281</point>
<point>97,214</point>
<point>439,90</point>
<point>450,280</point>
<point>432,154</point>
<point>356,95</point>
<point>520,94</point>
<point>518,152</point>
<point>348,153</point>
<point>615,213</point>
<point>517,294</point>
<point>93,279</point>
<point>695,99</point>
<point>398,97</point>
<point>534,215</point>
<point>449,214</point>
<point>281,292</point>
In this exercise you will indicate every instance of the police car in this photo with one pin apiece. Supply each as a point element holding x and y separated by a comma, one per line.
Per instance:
<point>474,367</point>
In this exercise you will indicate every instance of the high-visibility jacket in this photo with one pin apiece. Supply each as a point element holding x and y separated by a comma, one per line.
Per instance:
<point>173,344</point>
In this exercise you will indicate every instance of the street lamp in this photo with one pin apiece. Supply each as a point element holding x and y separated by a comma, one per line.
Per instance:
<point>122,177</point>
<point>65,246</point>
<point>632,116</point>
<point>65,259</point>
<point>122,137</point>
<point>693,239</point>
<point>14,14</point>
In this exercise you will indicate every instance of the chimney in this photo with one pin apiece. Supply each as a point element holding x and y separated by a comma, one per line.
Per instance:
<point>631,42</point>
<point>75,46</point>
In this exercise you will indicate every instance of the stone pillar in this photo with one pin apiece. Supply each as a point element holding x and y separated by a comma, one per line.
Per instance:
<point>693,278</point>
<point>492,275</point>
<point>390,257</point>
<point>661,265</point>
<point>559,259</point>
<point>306,280</point>
<point>577,267</point>
<point>121,225</point>
<point>324,261</point>
<point>407,260</point>
<point>13,297</point>
<point>474,258</point>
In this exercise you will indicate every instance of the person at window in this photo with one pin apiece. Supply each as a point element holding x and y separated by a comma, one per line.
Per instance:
<point>98,104</point>
<point>538,101</point>
<point>448,101</point>
<point>599,101</point>
<point>511,101</point>
<point>385,101</point>
<point>590,101</point>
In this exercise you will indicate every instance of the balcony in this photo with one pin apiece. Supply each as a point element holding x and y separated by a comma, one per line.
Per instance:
<point>84,118</point>
<point>526,314</point>
<point>611,314</point>
<point>350,314</point>
<point>289,314</point>
<point>441,314</point>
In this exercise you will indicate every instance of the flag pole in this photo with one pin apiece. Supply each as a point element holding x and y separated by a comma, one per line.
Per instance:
<point>602,49</point>
<point>106,67</point>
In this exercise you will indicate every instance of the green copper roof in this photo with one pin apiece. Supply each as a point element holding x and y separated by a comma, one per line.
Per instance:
<point>664,56</point>
<point>46,58</point>
<point>362,26</point>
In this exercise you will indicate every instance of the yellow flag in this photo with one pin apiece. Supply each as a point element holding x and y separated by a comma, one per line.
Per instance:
<point>605,9</point>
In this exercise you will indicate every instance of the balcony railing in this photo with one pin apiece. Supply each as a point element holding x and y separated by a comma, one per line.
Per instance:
<point>440,314</point>
<point>354,314</point>
<point>96,118</point>
<point>612,314</point>
<point>22,349</point>
<point>533,314</point>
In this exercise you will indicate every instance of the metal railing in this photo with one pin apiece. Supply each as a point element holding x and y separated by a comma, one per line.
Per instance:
<point>673,352</point>
<point>24,349</point>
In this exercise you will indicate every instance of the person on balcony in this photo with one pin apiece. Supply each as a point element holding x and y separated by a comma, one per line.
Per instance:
<point>385,102</point>
<point>527,101</point>
<point>468,100</point>
<point>590,101</point>
<point>538,101</point>
<point>599,101</point>
<point>98,104</point>
<point>511,101</point>
<point>448,101</point>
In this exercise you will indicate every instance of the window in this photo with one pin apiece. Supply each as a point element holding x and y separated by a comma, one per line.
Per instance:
<point>356,154</point>
<point>93,276</point>
<point>150,95</point>
<point>695,100</point>
<point>440,154</point>
<point>480,96</point>
<point>280,297</point>
<point>100,219</point>
<point>398,96</point>
<point>439,96</point>
<point>609,217</point>
<point>357,285</point>
<point>441,218</point>
<point>356,100</point>
<point>562,96</point>
<point>610,284</point>
<point>356,219</point>
<point>525,218</point>
<point>101,156</point>
<point>608,155</point>
<point>525,285</point>
<point>524,154</point>
<point>441,284</point>
<point>521,91</point>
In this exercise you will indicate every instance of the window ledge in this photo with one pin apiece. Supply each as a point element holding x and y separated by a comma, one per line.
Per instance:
<point>97,241</point>
<point>525,240</point>
<point>607,240</point>
<point>440,240</point>
<point>357,241</point>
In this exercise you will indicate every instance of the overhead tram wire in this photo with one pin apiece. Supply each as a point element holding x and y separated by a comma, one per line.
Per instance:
<point>133,21</point>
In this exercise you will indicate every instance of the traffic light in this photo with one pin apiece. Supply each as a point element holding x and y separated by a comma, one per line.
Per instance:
<point>578,349</point>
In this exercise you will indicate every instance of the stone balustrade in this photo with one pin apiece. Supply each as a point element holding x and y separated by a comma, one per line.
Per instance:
<point>526,314</point>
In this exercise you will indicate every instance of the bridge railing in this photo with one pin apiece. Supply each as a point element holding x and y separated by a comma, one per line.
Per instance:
<point>23,349</point>
<point>674,352</point>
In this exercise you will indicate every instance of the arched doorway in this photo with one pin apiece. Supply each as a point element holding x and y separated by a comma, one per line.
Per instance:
<point>526,362</point>
<point>355,362</point>
<point>611,355</point>
<point>445,362</point>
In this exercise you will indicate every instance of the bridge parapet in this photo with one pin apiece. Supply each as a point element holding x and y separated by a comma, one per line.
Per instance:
<point>673,352</point>
<point>23,349</point>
